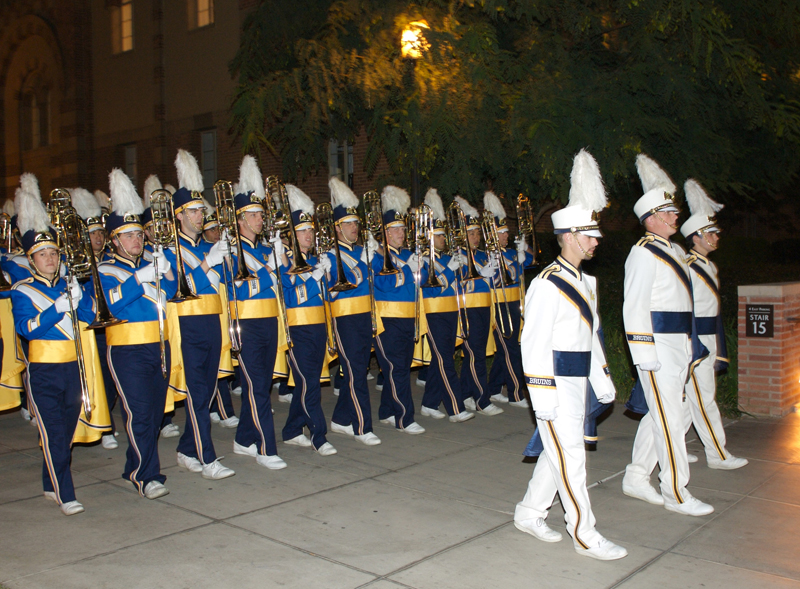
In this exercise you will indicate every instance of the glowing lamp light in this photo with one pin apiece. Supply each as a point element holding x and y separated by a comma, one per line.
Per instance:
<point>412,42</point>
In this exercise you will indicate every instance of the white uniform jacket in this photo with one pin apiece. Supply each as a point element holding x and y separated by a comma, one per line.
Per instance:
<point>705,286</point>
<point>658,299</point>
<point>560,336</point>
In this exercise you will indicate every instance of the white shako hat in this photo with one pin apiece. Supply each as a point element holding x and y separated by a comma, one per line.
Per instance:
<point>703,210</point>
<point>434,201</point>
<point>302,208</point>
<point>587,197</point>
<point>395,202</point>
<point>493,205</point>
<point>659,189</point>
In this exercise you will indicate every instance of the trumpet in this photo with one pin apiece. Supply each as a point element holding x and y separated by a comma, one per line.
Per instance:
<point>226,215</point>
<point>5,237</point>
<point>279,220</point>
<point>325,239</point>
<point>493,250</point>
<point>456,240</point>
<point>526,223</point>
<point>373,223</point>
<point>164,232</point>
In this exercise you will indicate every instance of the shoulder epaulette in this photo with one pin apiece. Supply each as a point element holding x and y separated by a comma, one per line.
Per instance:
<point>551,269</point>
<point>28,280</point>
<point>645,240</point>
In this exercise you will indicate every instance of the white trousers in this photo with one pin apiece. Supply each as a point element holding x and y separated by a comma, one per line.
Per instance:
<point>701,392</point>
<point>562,467</point>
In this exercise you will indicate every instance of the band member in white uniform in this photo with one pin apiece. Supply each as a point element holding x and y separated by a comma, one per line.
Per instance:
<point>561,353</point>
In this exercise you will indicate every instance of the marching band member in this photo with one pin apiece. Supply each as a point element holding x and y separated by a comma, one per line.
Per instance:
<point>474,385</point>
<point>507,364</point>
<point>199,320</point>
<point>657,312</point>
<point>41,306</point>
<point>441,312</point>
<point>303,294</point>
<point>134,350</point>
<point>562,350</point>
<point>257,310</point>
<point>394,299</point>
<point>702,236</point>
<point>351,319</point>
<point>88,208</point>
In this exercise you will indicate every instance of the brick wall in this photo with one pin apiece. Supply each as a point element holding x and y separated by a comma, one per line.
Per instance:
<point>769,368</point>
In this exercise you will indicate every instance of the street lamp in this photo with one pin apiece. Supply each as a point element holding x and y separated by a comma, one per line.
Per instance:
<point>412,44</point>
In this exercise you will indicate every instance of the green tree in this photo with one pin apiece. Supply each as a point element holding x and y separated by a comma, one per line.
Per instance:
<point>509,90</point>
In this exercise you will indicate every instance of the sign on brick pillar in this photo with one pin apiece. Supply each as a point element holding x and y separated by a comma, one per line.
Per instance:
<point>769,348</point>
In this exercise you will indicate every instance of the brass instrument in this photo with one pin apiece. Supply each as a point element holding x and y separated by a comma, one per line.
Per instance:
<point>274,222</point>
<point>58,200</point>
<point>163,233</point>
<point>372,224</point>
<point>325,237</point>
<point>493,250</point>
<point>456,240</point>
<point>419,232</point>
<point>327,226</point>
<point>526,224</point>
<point>5,238</point>
<point>226,215</point>
<point>411,242</point>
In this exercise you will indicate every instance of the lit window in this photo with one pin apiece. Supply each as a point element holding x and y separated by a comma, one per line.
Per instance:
<point>122,26</point>
<point>130,162</point>
<point>201,13</point>
<point>208,161</point>
<point>340,161</point>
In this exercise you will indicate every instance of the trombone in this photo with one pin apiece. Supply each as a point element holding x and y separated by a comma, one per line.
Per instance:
<point>493,250</point>
<point>164,232</point>
<point>419,232</point>
<point>526,223</point>
<point>325,237</point>
<point>280,220</point>
<point>226,215</point>
<point>456,240</point>
<point>5,238</point>
<point>373,223</point>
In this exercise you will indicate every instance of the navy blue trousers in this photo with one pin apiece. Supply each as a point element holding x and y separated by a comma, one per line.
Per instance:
<point>507,363</point>
<point>257,361</point>
<point>56,400</point>
<point>201,345</point>
<point>395,351</point>
<point>221,402</point>
<point>354,339</point>
<point>143,393</point>
<point>443,385</point>
<point>108,381</point>
<point>305,360</point>
<point>473,366</point>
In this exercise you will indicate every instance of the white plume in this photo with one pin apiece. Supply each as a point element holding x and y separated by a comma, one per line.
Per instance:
<point>341,194</point>
<point>394,198</point>
<point>102,198</point>
<point>169,187</point>
<point>652,175</point>
<point>124,200</point>
<point>586,184</point>
<point>85,203</point>
<point>492,204</point>
<point>468,209</point>
<point>699,201</point>
<point>8,208</point>
<point>31,214</point>
<point>236,188</point>
<point>209,208</point>
<point>299,200</point>
<point>250,179</point>
<point>434,201</point>
<point>189,175</point>
<point>152,183</point>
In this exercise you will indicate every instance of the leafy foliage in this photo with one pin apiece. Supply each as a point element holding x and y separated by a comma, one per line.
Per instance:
<point>510,90</point>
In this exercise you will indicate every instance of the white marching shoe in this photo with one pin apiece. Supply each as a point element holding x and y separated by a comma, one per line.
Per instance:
<point>154,490</point>
<point>170,431</point>
<point>490,410</point>
<point>463,416</point>
<point>524,403</point>
<point>603,550</point>
<point>271,462</point>
<point>229,423</point>
<point>109,442</point>
<point>538,529</point>
<point>368,439</point>
<point>690,506</point>
<point>347,430</point>
<point>327,449</point>
<point>730,463</point>
<point>390,421</point>
<point>287,398</point>
<point>71,508</point>
<point>414,429</point>
<point>301,440</point>
<point>216,471</point>
<point>428,412</point>
<point>214,416</point>
<point>469,403</point>
<point>691,458</point>
<point>499,398</point>
<point>420,383</point>
<point>250,450</point>
<point>644,492</point>
<point>189,463</point>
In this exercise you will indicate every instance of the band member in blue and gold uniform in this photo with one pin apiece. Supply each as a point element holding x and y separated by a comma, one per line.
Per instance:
<point>42,305</point>
<point>394,294</point>
<point>474,385</point>
<point>441,312</point>
<point>199,320</point>
<point>351,319</point>
<point>307,317</point>
<point>658,315</point>
<point>134,347</point>
<point>562,353</point>
<point>256,312</point>
<point>507,364</point>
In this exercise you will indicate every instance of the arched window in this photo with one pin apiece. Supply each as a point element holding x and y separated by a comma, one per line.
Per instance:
<point>35,118</point>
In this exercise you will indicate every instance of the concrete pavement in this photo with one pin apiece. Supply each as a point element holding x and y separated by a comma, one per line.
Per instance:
<point>428,511</point>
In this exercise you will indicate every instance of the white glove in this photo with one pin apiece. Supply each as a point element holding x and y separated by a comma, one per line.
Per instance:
<point>522,247</point>
<point>455,262</point>
<point>146,274</point>
<point>62,303</point>
<point>277,244</point>
<point>372,244</point>
<point>607,398</point>
<point>218,252</point>
<point>324,263</point>
<point>489,269</point>
<point>163,263</point>
<point>75,292</point>
<point>413,263</point>
<point>547,415</point>
<point>654,366</point>
<point>62,270</point>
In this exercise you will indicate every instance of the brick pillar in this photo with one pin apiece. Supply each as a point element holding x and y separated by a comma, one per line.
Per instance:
<point>769,367</point>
